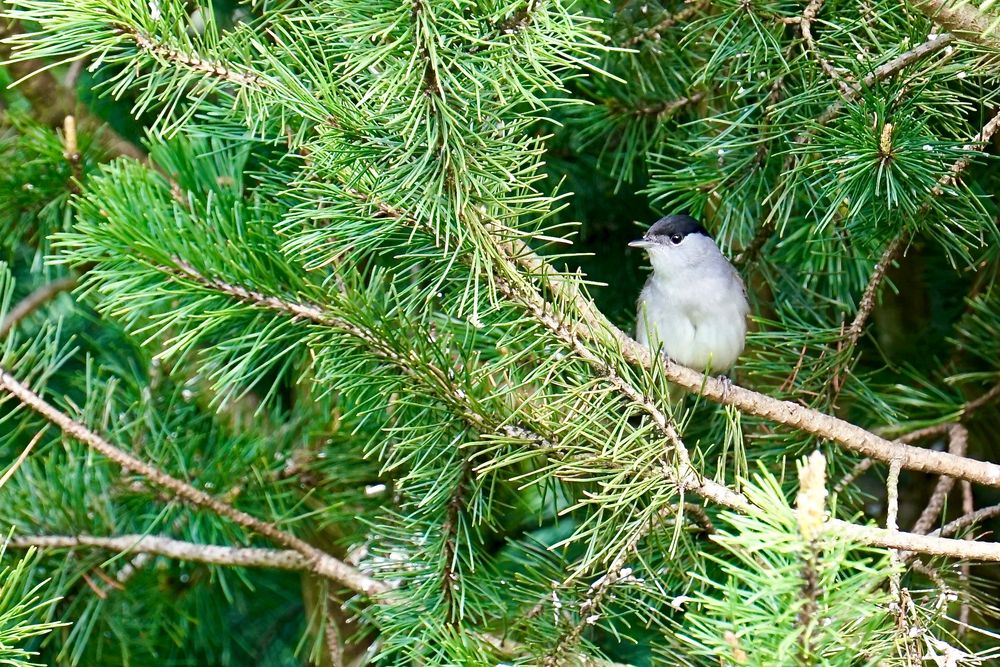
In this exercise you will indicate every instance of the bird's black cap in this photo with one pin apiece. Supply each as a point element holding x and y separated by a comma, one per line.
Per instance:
<point>669,229</point>
<point>669,225</point>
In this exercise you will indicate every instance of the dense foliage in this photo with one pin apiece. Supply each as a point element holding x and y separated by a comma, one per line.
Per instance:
<point>311,341</point>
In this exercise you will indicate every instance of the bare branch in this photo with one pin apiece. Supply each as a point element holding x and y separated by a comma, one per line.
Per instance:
<point>958,440</point>
<point>867,303</point>
<point>967,520</point>
<point>860,468</point>
<point>987,398</point>
<point>667,22</point>
<point>963,18</point>
<point>275,559</point>
<point>318,561</point>
<point>805,26</point>
<point>33,301</point>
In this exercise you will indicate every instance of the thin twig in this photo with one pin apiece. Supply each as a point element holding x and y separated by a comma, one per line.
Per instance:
<point>987,398</point>
<point>805,26</point>
<point>669,21</point>
<point>274,559</point>
<point>976,146</point>
<point>321,563</point>
<point>860,468</point>
<point>965,570</point>
<point>967,520</point>
<point>892,507</point>
<point>958,440</point>
<point>33,301</point>
<point>22,457</point>
<point>867,303</point>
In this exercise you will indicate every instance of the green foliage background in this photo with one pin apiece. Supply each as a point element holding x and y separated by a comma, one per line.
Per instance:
<point>311,300</point>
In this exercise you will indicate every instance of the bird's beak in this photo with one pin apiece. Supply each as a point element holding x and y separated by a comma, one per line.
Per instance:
<point>641,243</point>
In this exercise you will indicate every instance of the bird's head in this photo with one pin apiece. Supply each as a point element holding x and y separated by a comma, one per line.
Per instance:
<point>676,243</point>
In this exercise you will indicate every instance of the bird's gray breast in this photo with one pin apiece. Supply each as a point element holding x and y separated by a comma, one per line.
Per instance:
<point>700,322</point>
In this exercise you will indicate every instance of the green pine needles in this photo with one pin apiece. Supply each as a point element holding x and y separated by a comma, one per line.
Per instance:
<point>314,333</point>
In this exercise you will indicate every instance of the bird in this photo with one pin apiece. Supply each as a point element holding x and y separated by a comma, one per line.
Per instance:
<point>694,303</point>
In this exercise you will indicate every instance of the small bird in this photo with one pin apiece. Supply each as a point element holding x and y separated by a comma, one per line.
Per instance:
<point>694,303</point>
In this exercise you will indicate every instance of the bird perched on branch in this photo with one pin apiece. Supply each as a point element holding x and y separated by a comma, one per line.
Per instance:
<point>694,303</point>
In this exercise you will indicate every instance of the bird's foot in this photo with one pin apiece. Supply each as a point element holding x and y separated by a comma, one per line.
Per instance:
<point>727,385</point>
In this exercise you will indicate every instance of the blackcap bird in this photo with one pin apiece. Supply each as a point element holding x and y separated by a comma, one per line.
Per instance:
<point>694,303</point>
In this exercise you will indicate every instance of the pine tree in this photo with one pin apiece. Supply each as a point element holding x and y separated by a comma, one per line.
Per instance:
<point>315,319</point>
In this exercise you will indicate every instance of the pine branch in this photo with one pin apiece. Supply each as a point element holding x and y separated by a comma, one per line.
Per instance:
<point>320,562</point>
<point>432,82</point>
<point>682,474</point>
<point>192,61</point>
<point>597,329</point>
<point>513,24</point>
<point>932,45</point>
<point>967,520</point>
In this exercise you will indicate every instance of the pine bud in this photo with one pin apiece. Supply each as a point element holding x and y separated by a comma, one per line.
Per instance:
<point>810,504</point>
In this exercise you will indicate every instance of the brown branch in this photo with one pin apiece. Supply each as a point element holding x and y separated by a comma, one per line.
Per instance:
<point>595,329</point>
<point>318,561</point>
<point>805,26</point>
<point>958,440</point>
<point>849,436</point>
<point>669,21</point>
<point>965,571</point>
<point>963,18</point>
<point>987,398</point>
<point>682,473</point>
<point>658,110</point>
<point>860,468</point>
<point>967,520</point>
<point>34,301</point>
<point>192,61</point>
<point>274,559</point>
<point>867,303</point>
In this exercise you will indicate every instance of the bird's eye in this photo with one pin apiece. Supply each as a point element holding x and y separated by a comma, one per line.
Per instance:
<point>676,239</point>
